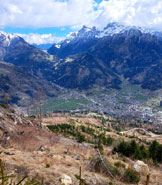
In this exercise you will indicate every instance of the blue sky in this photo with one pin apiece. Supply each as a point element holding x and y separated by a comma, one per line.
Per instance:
<point>56,31</point>
<point>41,21</point>
<point>98,1</point>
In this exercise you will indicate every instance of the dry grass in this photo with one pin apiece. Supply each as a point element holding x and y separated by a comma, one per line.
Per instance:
<point>31,148</point>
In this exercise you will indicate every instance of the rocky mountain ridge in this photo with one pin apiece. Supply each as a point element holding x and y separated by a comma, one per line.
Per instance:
<point>86,34</point>
<point>130,54</point>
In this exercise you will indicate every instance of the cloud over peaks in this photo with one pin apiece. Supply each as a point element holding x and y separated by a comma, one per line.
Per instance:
<point>46,13</point>
<point>34,38</point>
<point>144,13</point>
<point>75,13</point>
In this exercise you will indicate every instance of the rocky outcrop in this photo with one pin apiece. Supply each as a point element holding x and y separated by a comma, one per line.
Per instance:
<point>66,180</point>
<point>17,130</point>
<point>141,167</point>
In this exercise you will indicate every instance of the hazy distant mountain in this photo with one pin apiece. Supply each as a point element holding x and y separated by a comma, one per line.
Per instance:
<point>43,46</point>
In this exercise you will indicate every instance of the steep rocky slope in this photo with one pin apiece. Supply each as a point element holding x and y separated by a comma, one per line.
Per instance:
<point>15,50</point>
<point>24,68</point>
<point>134,55</point>
<point>85,71</point>
<point>21,86</point>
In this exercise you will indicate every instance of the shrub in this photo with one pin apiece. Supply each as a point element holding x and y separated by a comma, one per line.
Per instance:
<point>100,146</point>
<point>131,176</point>
<point>4,106</point>
<point>72,121</point>
<point>115,171</point>
<point>134,150</point>
<point>110,140</point>
<point>6,179</point>
<point>119,164</point>
<point>155,150</point>
<point>48,165</point>
<point>80,137</point>
<point>111,183</point>
<point>81,181</point>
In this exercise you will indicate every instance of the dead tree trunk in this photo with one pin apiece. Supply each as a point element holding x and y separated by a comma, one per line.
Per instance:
<point>148,179</point>
<point>107,168</point>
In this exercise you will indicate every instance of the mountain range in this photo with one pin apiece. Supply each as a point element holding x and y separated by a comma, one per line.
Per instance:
<point>87,58</point>
<point>85,34</point>
<point>123,52</point>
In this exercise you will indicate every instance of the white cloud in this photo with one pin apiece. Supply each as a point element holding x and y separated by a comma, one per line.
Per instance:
<point>34,38</point>
<point>75,13</point>
<point>144,13</point>
<point>46,13</point>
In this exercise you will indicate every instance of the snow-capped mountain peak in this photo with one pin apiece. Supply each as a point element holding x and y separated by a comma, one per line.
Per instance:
<point>84,32</point>
<point>116,28</point>
<point>6,38</point>
<point>111,29</point>
<point>87,32</point>
<point>89,35</point>
<point>71,35</point>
